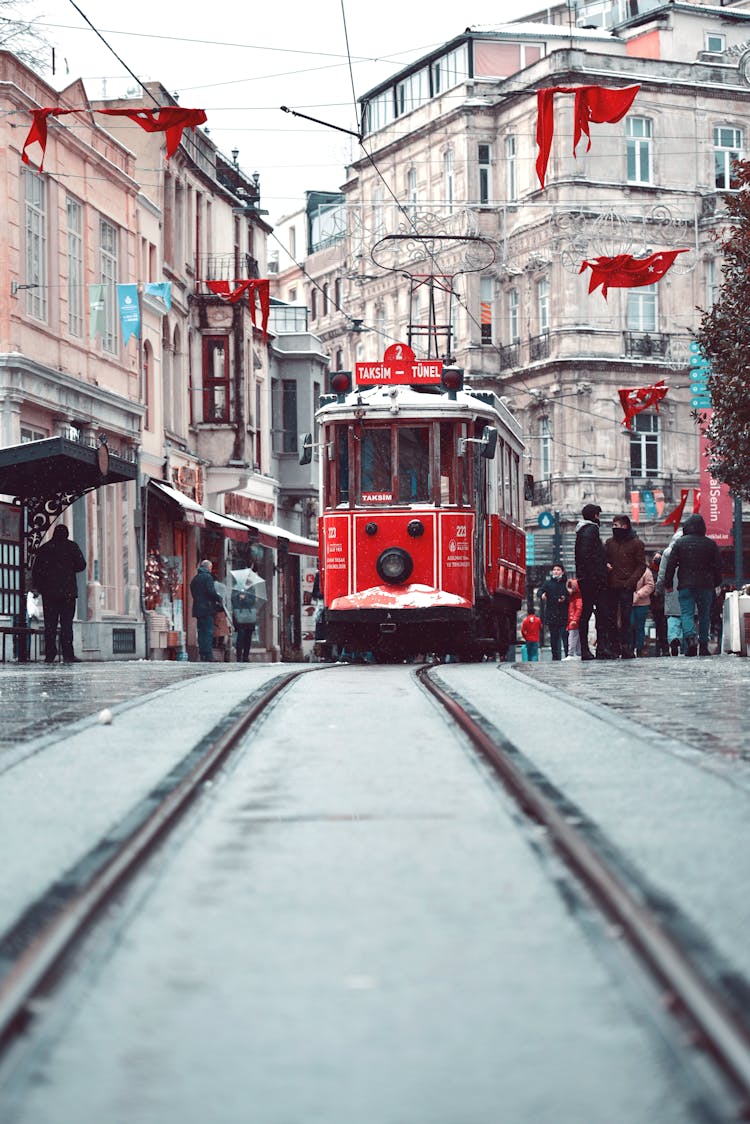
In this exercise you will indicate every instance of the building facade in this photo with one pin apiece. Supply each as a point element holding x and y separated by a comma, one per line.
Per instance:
<point>446,239</point>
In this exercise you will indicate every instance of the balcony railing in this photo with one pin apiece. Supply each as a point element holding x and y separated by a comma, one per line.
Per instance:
<point>227,267</point>
<point>646,345</point>
<point>508,356</point>
<point>539,347</point>
<point>664,484</point>
<point>542,493</point>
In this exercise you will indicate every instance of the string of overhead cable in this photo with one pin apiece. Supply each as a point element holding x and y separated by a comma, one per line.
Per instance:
<point>114,52</point>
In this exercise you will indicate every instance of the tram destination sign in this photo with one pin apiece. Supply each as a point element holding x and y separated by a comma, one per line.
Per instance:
<point>399,365</point>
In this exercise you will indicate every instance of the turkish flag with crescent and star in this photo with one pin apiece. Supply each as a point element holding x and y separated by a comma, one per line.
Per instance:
<point>637,398</point>
<point>623,271</point>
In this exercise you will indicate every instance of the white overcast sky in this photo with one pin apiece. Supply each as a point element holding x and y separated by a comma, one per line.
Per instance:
<point>242,61</point>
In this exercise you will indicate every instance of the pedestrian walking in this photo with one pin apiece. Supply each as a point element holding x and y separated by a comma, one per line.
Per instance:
<point>672,611</point>
<point>244,618</point>
<point>553,594</point>
<point>54,576</point>
<point>575,604</point>
<point>657,608</point>
<point>591,574</point>
<point>626,561</point>
<point>641,605</point>
<point>206,604</point>
<point>531,630</point>
<point>696,562</point>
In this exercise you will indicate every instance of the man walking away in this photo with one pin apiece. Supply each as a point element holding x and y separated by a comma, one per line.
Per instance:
<point>54,576</point>
<point>626,561</point>
<point>206,604</point>
<point>696,560</point>
<point>591,572</point>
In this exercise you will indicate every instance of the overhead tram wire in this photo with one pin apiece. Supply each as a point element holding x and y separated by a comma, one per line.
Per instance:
<point>114,52</point>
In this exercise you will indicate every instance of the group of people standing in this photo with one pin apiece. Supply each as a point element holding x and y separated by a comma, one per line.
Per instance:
<point>212,616</point>
<point>616,586</point>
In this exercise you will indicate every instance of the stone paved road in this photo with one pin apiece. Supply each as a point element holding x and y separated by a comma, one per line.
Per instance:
<point>36,699</point>
<point>702,702</point>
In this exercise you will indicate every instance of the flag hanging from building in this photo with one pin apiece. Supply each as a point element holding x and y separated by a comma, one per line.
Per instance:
<point>675,516</point>
<point>592,103</point>
<point>259,290</point>
<point>130,311</point>
<point>97,311</point>
<point>160,289</point>
<point>649,503</point>
<point>635,399</point>
<point>623,271</point>
<point>168,119</point>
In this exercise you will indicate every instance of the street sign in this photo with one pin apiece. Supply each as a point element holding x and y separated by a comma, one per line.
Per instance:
<point>398,366</point>
<point>701,403</point>
<point>545,519</point>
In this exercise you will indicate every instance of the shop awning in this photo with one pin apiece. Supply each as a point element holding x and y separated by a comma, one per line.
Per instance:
<point>57,466</point>
<point>192,512</point>
<point>230,528</point>
<point>268,534</point>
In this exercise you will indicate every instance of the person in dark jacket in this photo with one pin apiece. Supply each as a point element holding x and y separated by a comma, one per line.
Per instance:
<point>206,604</point>
<point>591,572</point>
<point>553,594</point>
<point>54,576</point>
<point>696,561</point>
<point>626,561</point>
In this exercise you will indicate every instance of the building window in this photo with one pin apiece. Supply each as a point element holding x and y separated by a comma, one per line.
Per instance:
<point>514,333</point>
<point>36,246</point>
<point>108,275</point>
<point>486,299</point>
<point>292,243</point>
<point>284,415</point>
<point>511,169</point>
<point>639,131</point>
<point>713,284</point>
<point>641,309</point>
<point>411,194</point>
<point>148,389</point>
<point>716,44</point>
<point>484,165</point>
<point>545,449</point>
<point>542,304</point>
<point>325,299</point>
<point>727,149</point>
<point>314,304</point>
<point>75,267</point>
<point>28,435</point>
<point>448,178</point>
<point>645,453</point>
<point>215,379</point>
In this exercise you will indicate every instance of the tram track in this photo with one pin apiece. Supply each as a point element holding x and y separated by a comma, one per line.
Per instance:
<point>700,996</point>
<point>34,949</point>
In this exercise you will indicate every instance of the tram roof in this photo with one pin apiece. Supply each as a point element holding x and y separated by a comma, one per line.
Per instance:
<point>378,401</point>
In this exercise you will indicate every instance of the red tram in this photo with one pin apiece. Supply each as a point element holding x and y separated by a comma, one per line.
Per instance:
<point>421,542</point>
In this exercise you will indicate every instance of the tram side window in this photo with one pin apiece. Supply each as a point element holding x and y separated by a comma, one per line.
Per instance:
<point>501,475</point>
<point>448,441</point>
<point>342,453</point>
<point>413,464</point>
<point>377,475</point>
<point>507,490</point>
<point>515,492</point>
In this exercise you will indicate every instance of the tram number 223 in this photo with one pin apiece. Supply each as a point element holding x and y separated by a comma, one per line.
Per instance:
<point>461,531</point>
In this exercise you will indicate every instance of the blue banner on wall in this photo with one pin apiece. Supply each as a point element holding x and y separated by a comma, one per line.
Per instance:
<point>130,311</point>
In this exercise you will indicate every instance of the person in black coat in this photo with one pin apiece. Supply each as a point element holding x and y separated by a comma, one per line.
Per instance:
<point>591,572</point>
<point>696,561</point>
<point>206,604</point>
<point>553,595</point>
<point>54,576</point>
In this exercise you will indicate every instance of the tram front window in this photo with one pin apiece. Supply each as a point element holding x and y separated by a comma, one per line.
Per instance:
<point>413,464</point>
<point>377,476</point>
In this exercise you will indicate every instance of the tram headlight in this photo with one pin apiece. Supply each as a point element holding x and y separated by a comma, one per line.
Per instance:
<point>394,565</point>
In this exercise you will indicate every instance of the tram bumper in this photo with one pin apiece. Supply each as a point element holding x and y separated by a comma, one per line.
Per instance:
<point>409,619</point>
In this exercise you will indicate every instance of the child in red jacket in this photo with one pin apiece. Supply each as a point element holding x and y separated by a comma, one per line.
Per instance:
<point>531,630</point>
<point>575,604</point>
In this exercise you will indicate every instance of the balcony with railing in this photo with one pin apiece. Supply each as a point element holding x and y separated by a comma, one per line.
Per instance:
<point>660,487</point>
<point>646,345</point>
<point>542,493</point>
<point>539,347</point>
<point>234,266</point>
<point>508,356</point>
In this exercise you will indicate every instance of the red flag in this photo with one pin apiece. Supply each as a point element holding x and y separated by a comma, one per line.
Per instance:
<point>696,501</point>
<point>623,271</point>
<point>635,399</point>
<point>676,515</point>
<point>260,290</point>
<point>169,119</point>
<point>592,103</point>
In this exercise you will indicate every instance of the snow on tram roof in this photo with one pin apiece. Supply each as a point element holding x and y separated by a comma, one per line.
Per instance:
<point>409,400</point>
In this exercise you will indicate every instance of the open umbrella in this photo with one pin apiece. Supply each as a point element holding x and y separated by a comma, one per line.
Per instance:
<point>249,577</point>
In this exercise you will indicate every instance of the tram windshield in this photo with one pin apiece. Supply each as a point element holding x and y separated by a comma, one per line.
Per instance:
<point>413,464</point>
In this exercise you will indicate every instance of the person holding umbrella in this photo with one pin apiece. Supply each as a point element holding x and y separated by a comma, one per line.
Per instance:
<point>244,616</point>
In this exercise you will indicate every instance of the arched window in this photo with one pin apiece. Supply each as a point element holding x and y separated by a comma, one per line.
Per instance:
<point>166,375</point>
<point>148,386</point>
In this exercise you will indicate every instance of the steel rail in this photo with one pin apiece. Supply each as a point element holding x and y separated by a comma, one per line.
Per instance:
<point>22,976</point>
<point>720,1031</point>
